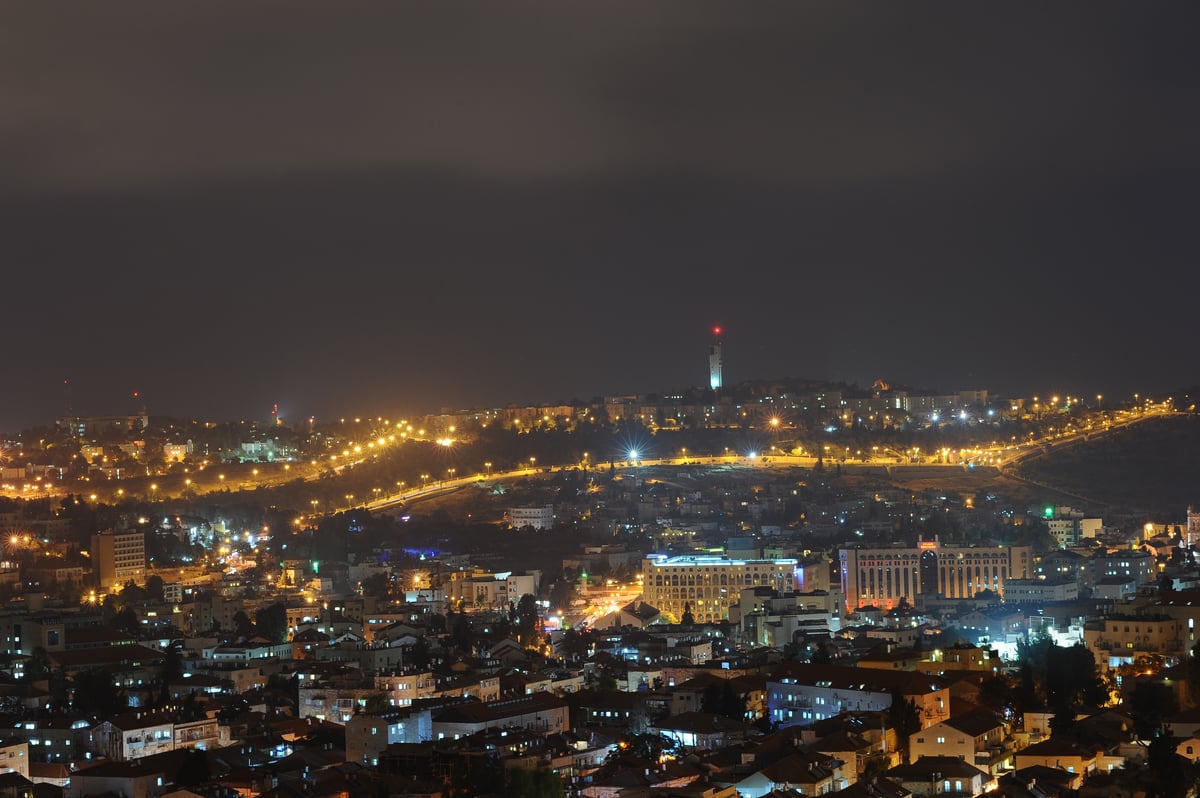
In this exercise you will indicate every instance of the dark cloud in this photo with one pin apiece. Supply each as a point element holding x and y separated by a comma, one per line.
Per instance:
<point>397,207</point>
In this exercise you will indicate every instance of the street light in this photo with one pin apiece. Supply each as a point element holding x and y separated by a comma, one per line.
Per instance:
<point>450,474</point>
<point>488,466</point>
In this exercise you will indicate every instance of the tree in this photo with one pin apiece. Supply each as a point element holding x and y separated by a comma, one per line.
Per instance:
<point>562,593</point>
<point>537,783</point>
<point>732,705</point>
<point>272,622</point>
<point>527,619</point>
<point>95,694</point>
<point>378,585</point>
<point>154,587</point>
<point>904,717</point>
<point>194,769</point>
<point>242,624</point>
<point>418,653</point>
<point>460,634</point>
<point>133,593</point>
<point>60,689</point>
<point>377,702</point>
<point>687,619</point>
<point>1151,702</point>
<point>1168,773</point>
<point>822,656</point>
<point>126,620</point>
<point>170,673</point>
<point>39,665</point>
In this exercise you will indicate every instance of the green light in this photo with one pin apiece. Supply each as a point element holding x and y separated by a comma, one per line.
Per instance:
<point>1048,512</point>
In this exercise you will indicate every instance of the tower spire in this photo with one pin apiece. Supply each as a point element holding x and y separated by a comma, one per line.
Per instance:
<point>714,361</point>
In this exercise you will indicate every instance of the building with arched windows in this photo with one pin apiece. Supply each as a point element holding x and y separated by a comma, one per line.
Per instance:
<point>710,584</point>
<point>883,576</point>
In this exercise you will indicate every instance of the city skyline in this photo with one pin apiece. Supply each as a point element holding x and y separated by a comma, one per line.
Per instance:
<point>391,211</point>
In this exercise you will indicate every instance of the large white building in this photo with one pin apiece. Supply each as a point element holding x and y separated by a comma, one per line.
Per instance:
<point>709,584</point>
<point>536,517</point>
<point>883,576</point>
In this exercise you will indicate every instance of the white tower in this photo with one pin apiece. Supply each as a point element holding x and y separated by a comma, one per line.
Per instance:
<point>714,360</point>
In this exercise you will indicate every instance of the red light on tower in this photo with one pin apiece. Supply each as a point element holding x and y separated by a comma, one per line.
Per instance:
<point>716,330</point>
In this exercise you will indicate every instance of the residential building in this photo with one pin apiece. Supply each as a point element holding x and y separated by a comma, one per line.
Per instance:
<point>14,757</point>
<point>405,688</point>
<point>1139,565</point>
<point>803,693</point>
<point>1039,591</point>
<point>931,776</point>
<point>540,711</point>
<point>369,733</point>
<point>126,779</point>
<point>977,737</point>
<point>133,736</point>
<point>1118,640</point>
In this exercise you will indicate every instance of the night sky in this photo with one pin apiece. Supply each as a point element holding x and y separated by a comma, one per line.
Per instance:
<point>362,209</point>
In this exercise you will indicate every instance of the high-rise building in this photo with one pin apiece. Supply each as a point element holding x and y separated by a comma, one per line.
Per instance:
<point>714,360</point>
<point>118,557</point>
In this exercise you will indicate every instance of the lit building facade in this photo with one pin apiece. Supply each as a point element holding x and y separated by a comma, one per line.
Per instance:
<point>1118,640</point>
<point>881,577</point>
<point>709,584</point>
<point>536,517</point>
<point>118,557</point>
<point>714,361</point>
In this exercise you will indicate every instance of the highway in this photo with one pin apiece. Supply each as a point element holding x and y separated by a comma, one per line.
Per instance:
<point>1003,457</point>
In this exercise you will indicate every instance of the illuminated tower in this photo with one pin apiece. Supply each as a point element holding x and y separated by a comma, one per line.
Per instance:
<point>714,360</point>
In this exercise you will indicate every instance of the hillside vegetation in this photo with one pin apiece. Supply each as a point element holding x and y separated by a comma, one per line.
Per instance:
<point>1151,468</point>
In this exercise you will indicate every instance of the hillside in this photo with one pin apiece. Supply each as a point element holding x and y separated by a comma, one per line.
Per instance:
<point>1152,468</point>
